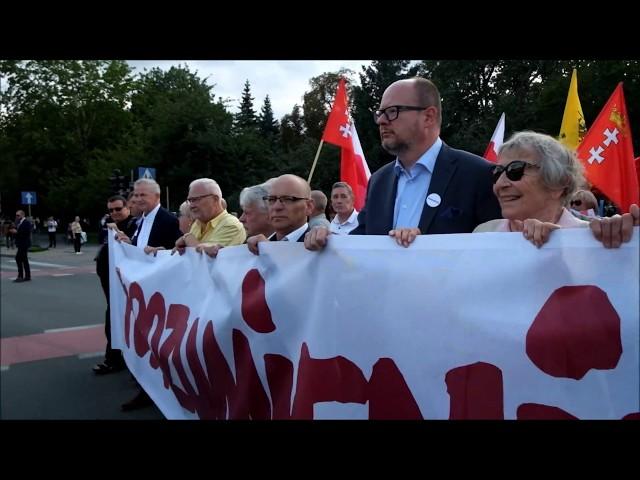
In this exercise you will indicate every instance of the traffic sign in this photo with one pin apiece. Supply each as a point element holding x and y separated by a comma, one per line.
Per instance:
<point>29,198</point>
<point>146,172</point>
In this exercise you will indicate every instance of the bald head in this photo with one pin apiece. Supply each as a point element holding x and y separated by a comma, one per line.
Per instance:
<point>289,213</point>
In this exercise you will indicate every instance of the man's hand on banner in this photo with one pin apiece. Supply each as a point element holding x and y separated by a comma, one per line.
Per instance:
<point>153,250</point>
<point>122,237</point>
<point>317,238</point>
<point>404,236</point>
<point>211,250</point>
<point>186,240</point>
<point>252,243</point>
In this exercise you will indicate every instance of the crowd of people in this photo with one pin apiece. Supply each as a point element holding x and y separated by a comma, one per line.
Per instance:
<point>536,187</point>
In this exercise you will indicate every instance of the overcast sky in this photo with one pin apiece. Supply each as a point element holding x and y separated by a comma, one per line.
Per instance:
<point>285,81</point>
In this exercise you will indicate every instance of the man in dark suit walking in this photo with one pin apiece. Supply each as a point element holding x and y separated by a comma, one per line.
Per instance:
<point>157,228</point>
<point>22,232</point>
<point>430,188</point>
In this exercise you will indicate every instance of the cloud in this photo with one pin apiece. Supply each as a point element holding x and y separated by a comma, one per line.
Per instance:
<point>285,81</point>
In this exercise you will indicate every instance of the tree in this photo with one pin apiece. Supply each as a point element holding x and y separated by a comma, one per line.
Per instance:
<point>61,121</point>
<point>268,125</point>
<point>291,129</point>
<point>186,134</point>
<point>246,119</point>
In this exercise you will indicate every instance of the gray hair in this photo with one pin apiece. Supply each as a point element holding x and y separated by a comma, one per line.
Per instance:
<point>150,182</point>
<point>184,210</point>
<point>560,169</point>
<point>344,185</point>
<point>253,195</point>
<point>210,185</point>
<point>319,199</point>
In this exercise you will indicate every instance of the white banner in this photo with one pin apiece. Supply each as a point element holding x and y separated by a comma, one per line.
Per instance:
<point>455,326</point>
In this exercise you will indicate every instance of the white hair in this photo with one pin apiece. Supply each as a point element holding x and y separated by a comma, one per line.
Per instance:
<point>210,185</point>
<point>150,182</point>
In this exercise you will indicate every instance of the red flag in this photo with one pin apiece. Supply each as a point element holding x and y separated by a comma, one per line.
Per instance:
<point>341,131</point>
<point>496,141</point>
<point>638,169</point>
<point>606,152</point>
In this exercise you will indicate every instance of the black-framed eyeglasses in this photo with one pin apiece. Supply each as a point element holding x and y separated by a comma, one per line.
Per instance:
<point>576,203</point>
<point>514,170</point>
<point>116,209</point>
<point>284,199</point>
<point>197,199</point>
<point>392,112</point>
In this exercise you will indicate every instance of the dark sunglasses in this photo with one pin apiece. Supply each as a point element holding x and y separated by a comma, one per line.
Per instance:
<point>116,209</point>
<point>576,203</point>
<point>514,170</point>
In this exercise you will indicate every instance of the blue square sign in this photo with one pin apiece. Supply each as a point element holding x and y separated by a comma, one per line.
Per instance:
<point>29,198</point>
<point>146,172</point>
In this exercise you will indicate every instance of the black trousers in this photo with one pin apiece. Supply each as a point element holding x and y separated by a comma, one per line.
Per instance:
<point>76,242</point>
<point>52,239</point>
<point>112,357</point>
<point>24,271</point>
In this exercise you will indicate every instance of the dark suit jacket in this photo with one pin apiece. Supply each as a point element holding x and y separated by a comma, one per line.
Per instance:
<point>273,238</point>
<point>23,235</point>
<point>165,230</point>
<point>464,183</point>
<point>128,226</point>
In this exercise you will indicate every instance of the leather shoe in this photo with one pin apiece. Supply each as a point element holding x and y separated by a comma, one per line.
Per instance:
<point>104,368</point>
<point>141,400</point>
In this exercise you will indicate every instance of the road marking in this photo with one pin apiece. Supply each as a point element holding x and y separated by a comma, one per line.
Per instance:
<point>43,346</point>
<point>4,368</point>
<point>69,329</point>
<point>90,355</point>
<point>62,275</point>
<point>15,267</point>
<point>44,264</point>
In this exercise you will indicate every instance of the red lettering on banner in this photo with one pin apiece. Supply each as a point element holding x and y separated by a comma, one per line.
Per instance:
<point>280,378</point>
<point>335,379</point>
<point>475,392</point>
<point>255,310</point>
<point>537,411</point>
<point>576,330</point>
<point>389,395</point>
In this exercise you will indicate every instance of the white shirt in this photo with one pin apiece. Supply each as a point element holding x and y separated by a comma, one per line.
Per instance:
<point>145,231</point>
<point>347,226</point>
<point>293,236</point>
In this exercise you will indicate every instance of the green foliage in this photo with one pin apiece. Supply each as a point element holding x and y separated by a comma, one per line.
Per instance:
<point>65,125</point>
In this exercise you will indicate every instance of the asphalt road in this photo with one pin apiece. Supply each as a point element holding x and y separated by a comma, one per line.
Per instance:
<point>52,331</point>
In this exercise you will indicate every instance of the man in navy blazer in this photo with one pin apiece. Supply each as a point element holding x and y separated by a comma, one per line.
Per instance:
<point>22,232</point>
<point>430,188</point>
<point>157,228</point>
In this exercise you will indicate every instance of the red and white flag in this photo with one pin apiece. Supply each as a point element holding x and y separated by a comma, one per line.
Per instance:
<point>606,152</point>
<point>496,141</point>
<point>341,131</point>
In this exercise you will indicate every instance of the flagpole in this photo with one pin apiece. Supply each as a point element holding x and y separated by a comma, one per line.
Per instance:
<point>315,160</point>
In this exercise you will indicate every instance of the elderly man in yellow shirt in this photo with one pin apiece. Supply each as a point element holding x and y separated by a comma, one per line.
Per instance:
<point>213,227</point>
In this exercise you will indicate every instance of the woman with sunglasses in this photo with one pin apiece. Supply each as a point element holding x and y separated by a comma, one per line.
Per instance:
<point>534,180</point>
<point>584,204</point>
